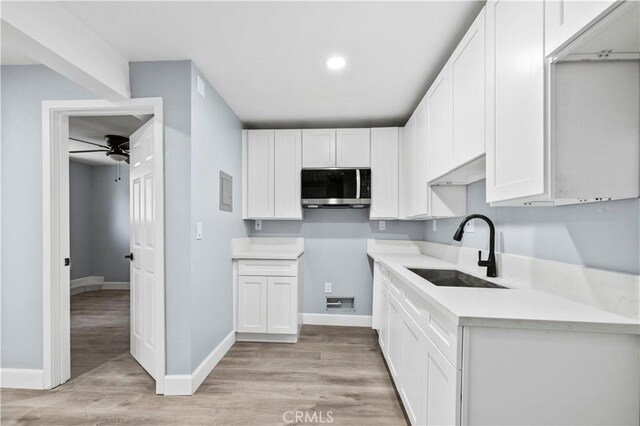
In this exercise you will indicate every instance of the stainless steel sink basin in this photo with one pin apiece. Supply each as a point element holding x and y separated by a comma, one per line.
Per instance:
<point>453,278</point>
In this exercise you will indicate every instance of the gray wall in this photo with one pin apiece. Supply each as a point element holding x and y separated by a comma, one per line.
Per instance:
<point>23,90</point>
<point>600,235</point>
<point>216,144</point>
<point>99,222</point>
<point>336,251</point>
<point>80,219</point>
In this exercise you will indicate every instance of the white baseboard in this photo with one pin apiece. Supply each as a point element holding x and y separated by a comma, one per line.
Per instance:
<point>340,320</point>
<point>187,384</point>
<point>93,283</point>
<point>116,285</point>
<point>21,378</point>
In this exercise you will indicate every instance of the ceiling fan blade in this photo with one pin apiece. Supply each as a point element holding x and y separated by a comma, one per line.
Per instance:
<point>90,143</point>
<point>91,150</point>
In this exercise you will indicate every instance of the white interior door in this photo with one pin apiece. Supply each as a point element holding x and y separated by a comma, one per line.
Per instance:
<point>144,285</point>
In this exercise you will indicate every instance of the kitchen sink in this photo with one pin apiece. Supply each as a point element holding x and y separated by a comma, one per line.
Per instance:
<point>453,278</point>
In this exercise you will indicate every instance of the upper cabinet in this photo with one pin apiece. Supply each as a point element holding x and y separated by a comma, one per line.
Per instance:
<point>271,174</point>
<point>353,148</point>
<point>564,20</point>
<point>456,110</point>
<point>318,148</point>
<point>348,148</point>
<point>562,129</point>
<point>384,173</point>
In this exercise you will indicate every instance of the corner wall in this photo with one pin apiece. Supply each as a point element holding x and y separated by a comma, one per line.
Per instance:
<point>599,235</point>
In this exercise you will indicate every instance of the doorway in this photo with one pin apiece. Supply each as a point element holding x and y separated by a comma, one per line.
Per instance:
<point>146,220</point>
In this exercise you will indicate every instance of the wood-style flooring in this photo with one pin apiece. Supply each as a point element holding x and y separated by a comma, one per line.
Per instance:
<point>332,373</point>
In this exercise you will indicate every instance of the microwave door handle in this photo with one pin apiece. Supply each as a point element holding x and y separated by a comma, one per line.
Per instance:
<point>358,183</point>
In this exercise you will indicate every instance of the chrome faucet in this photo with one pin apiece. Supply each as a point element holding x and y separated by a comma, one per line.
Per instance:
<point>490,263</point>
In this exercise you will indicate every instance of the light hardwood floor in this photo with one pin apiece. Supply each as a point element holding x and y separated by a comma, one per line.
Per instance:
<point>332,371</point>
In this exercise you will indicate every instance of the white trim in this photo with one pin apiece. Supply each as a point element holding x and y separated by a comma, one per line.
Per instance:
<point>267,338</point>
<point>188,384</point>
<point>340,320</point>
<point>89,281</point>
<point>209,363</point>
<point>116,285</point>
<point>177,384</point>
<point>21,378</point>
<point>56,328</point>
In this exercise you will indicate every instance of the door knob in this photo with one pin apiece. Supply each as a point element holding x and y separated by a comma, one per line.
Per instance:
<point>129,256</point>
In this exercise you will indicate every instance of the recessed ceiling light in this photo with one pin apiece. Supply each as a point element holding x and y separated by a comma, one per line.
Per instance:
<point>336,63</point>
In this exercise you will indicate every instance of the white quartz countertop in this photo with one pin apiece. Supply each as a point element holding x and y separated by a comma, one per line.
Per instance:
<point>267,248</point>
<point>517,306</point>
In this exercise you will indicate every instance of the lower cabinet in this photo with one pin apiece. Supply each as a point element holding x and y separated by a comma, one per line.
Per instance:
<point>268,306</point>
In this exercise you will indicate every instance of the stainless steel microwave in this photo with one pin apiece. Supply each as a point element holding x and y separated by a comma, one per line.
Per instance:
<point>336,188</point>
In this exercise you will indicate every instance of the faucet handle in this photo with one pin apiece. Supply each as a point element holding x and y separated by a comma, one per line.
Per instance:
<point>480,261</point>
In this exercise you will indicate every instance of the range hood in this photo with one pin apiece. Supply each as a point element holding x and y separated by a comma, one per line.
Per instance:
<point>335,188</point>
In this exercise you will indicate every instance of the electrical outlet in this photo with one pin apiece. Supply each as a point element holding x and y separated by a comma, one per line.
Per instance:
<point>382,225</point>
<point>434,225</point>
<point>258,225</point>
<point>470,226</point>
<point>198,230</point>
<point>327,288</point>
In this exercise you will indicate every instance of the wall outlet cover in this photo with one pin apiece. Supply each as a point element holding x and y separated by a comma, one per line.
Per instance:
<point>470,226</point>
<point>258,225</point>
<point>328,288</point>
<point>382,225</point>
<point>434,225</point>
<point>198,230</point>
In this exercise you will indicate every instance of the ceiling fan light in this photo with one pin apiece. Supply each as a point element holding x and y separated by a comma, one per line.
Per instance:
<point>118,156</point>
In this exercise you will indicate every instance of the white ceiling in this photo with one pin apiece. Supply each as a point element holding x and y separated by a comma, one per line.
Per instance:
<point>267,59</point>
<point>93,129</point>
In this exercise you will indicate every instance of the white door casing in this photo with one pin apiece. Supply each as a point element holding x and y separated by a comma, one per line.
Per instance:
<point>142,217</point>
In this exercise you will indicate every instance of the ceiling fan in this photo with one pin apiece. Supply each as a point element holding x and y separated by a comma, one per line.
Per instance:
<point>117,147</point>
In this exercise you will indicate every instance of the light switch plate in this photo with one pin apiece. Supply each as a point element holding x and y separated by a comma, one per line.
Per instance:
<point>198,230</point>
<point>258,225</point>
<point>327,288</point>
<point>382,225</point>
<point>434,225</point>
<point>470,226</point>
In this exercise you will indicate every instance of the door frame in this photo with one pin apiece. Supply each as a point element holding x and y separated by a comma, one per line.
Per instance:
<point>56,304</point>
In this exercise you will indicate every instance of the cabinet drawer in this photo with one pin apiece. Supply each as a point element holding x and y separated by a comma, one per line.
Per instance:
<point>444,334</point>
<point>280,268</point>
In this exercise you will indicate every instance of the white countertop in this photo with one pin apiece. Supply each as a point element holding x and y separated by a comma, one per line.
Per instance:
<point>517,307</point>
<point>267,248</point>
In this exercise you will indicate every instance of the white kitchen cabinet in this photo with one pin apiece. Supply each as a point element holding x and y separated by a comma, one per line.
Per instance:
<point>353,148</point>
<point>394,338</point>
<point>252,304</point>
<point>564,20</point>
<point>407,169</point>
<point>413,377</point>
<point>442,389</point>
<point>383,324</point>
<point>318,148</point>
<point>271,170</point>
<point>288,164</point>
<point>515,105</point>
<point>385,163</point>
<point>438,123</point>
<point>269,299</point>
<point>561,130</point>
<point>282,312</point>
<point>260,174</point>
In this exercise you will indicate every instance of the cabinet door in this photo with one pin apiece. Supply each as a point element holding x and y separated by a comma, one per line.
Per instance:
<point>407,168</point>
<point>260,174</point>
<point>420,161</point>
<point>384,173</point>
<point>515,103</point>
<point>383,330</point>
<point>564,20</point>
<point>394,340</point>
<point>318,148</point>
<point>468,91</point>
<point>353,147</point>
<point>442,389</point>
<point>439,119</point>
<point>282,317</point>
<point>413,370</point>
<point>288,163</point>
<point>252,304</point>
